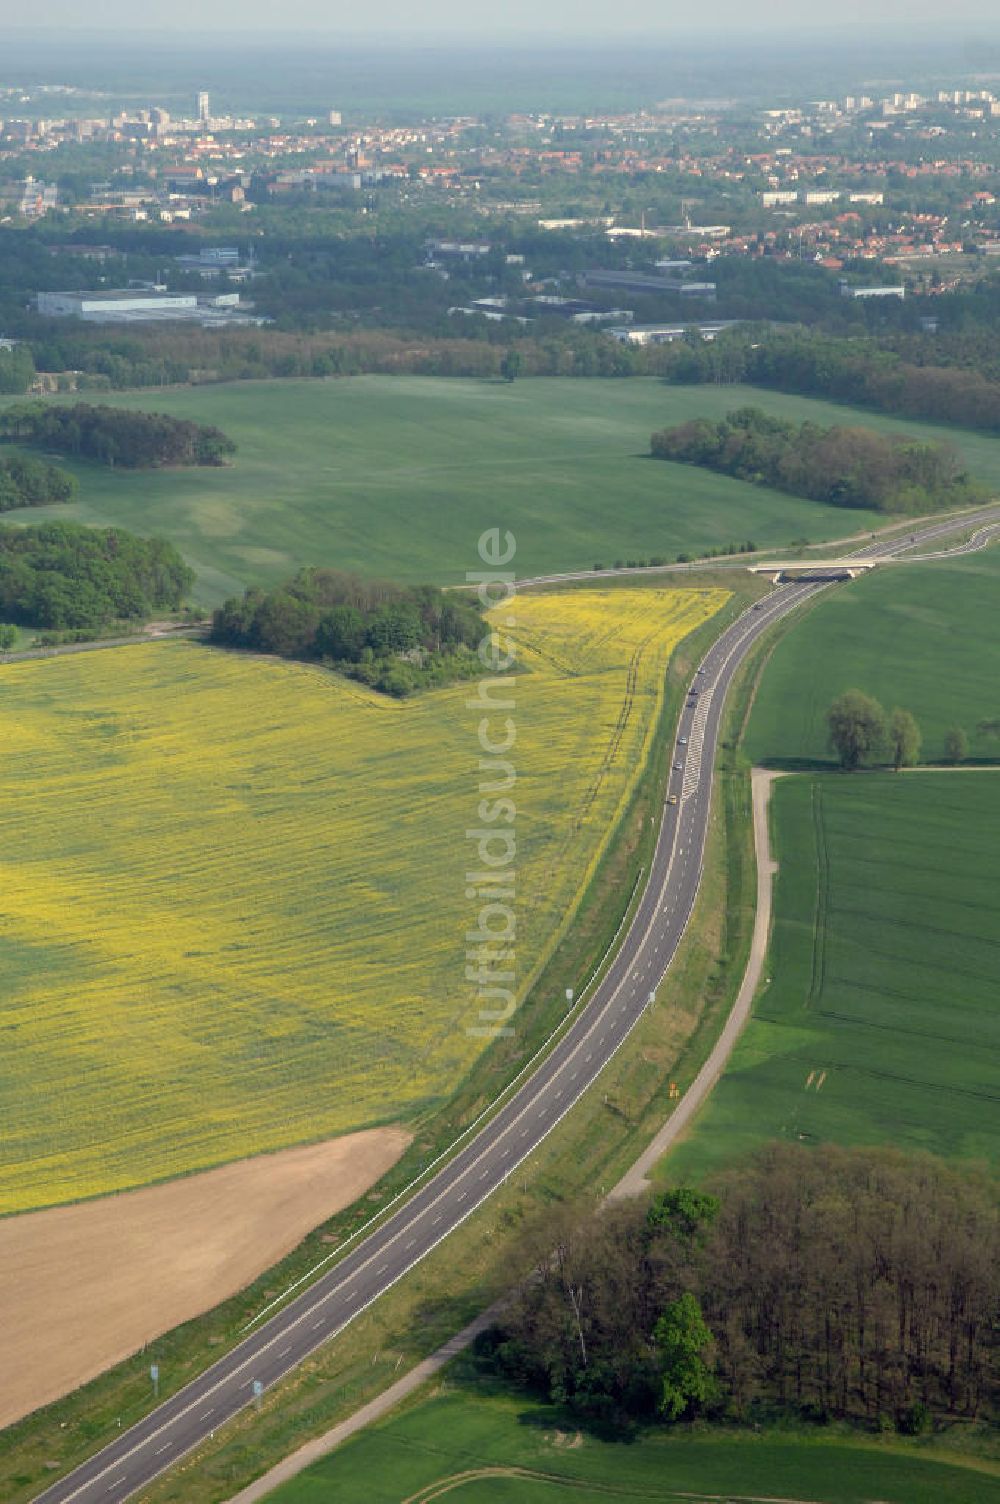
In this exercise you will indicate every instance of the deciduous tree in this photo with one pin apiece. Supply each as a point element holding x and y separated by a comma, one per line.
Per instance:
<point>684,1346</point>
<point>510,366</point>
<point>904,739</point>
<point>956,745</point>
<point>857,728</point>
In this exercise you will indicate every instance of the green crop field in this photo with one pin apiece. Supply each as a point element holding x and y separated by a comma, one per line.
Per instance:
<point>398,476</point>
<point>923,636</point>
<point>880,1024</point>
<point>491,1448</point>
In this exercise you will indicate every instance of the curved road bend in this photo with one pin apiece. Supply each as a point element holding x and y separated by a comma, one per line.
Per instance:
<point>154,1444</point>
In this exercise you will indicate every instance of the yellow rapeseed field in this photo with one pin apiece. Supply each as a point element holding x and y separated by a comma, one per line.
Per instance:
<point>232,890</point>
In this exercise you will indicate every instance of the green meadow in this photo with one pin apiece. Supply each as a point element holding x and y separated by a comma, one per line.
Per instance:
<point>880,1025</point>
<point>919,635</point>
<point>486,1449</point>
<point>398,476</point>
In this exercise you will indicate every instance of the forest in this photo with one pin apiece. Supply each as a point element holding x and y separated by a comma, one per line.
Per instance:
<point>116,436</point>
<point>63,577</point>
<point>950,382</point>
<point>27,482</point>
<point>859,1284</point>
<point>842,466</point>
<point>394,638</point>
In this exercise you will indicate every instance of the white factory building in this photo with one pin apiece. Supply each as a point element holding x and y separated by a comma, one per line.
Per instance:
<point>144,305</point>
<point>666,334</point>
<point>892,290</point>
<point>96,306</point>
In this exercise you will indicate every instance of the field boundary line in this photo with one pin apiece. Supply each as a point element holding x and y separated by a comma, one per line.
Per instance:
<point>487,1112</point>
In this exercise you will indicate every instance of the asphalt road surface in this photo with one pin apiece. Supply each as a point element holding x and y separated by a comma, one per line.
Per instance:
<point>151,1446</point>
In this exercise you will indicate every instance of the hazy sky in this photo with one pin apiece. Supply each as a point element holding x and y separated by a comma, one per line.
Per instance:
<point>573,19</point>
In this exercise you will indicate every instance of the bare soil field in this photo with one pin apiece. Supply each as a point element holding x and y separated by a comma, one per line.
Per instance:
<point>84,1286</point>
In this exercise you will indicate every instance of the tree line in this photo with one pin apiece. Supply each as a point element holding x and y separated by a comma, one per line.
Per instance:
<point>64,577</point>
<point>861,733</point>
<point>820,1283</point>
<point>27,482</point>
<point>393,637</point>
<point>895,375</point>
<point>116,436</point>
<point>861,371</point>
<point>172,354</point>
<point>842,466</point>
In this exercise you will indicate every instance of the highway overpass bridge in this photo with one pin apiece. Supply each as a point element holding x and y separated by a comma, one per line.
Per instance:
<point>812,569</point>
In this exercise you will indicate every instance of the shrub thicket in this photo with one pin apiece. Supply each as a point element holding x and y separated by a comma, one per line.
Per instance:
<point>393,637</point>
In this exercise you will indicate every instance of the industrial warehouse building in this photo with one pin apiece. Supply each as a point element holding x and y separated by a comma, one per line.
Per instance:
<point>143,305</point>
<point>666,334</point>
<point>96,306</point>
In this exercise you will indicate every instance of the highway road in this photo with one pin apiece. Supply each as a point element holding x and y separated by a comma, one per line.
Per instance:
<point>646,950</point>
